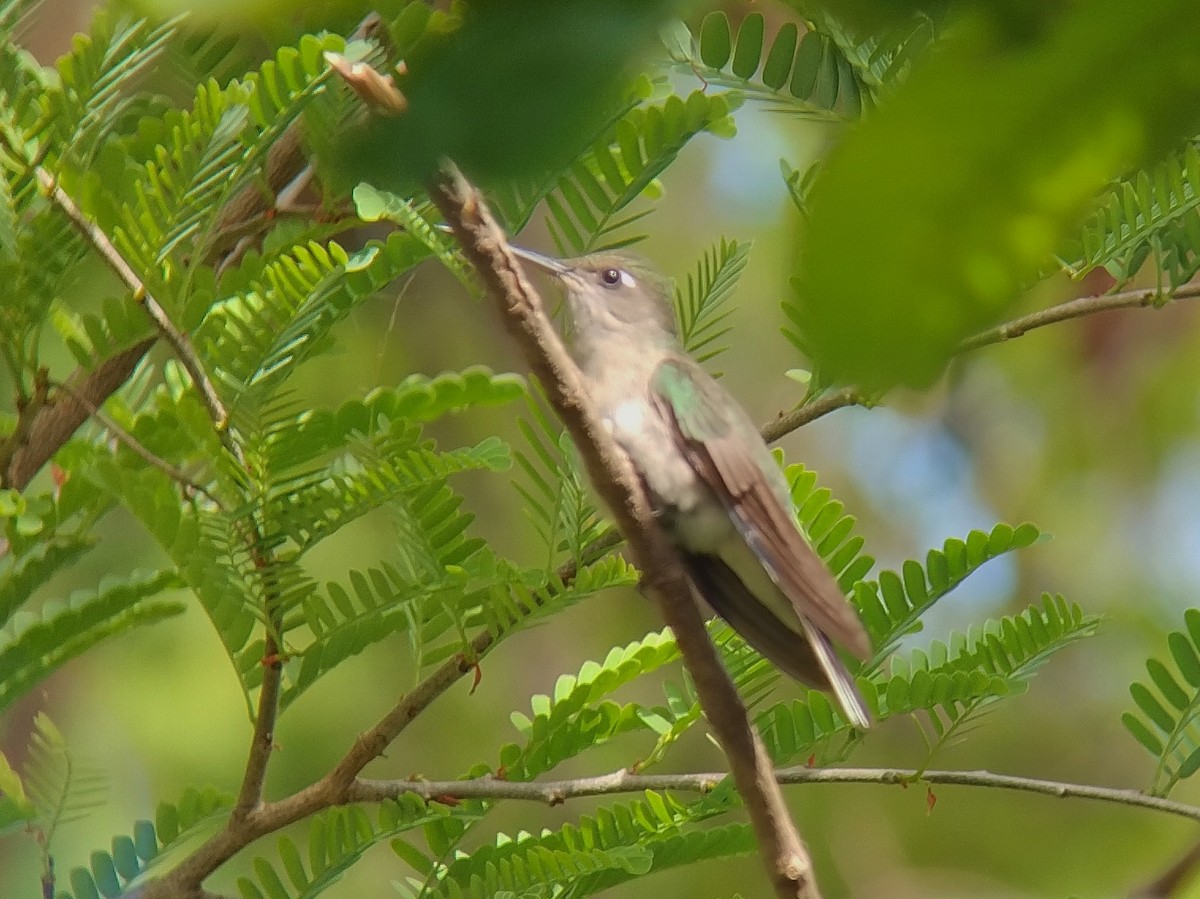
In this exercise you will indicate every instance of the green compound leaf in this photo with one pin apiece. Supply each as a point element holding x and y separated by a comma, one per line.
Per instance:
<point>928,220</point>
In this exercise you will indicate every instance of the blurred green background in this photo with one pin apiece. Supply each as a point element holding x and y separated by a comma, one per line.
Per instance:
<point>1088,429</point>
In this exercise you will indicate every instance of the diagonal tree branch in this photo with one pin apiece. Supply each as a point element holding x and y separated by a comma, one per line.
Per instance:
<point>336,787</point>
<point>177,340</point>
<point>56,422</point>
<point>788,864</point>
<point>138,448</point>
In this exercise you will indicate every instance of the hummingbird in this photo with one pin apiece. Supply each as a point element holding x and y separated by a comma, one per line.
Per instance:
<point>712,482</point>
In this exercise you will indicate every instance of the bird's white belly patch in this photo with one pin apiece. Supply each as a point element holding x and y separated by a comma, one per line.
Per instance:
<point>628,417</point>
<point>699,522</point>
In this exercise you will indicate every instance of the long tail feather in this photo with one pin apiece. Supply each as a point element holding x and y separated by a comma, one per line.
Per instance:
<point>808,658</point>
<point>839,679</point>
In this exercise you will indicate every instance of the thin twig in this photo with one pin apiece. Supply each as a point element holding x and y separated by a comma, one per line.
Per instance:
<point>1080,307</point>
<point>559,791</point>
<point>262,740</point>
<point>137,447</point>
<point>371,744</point>
<point>1077,308</point>
<point>787,422</point>
<point>784,855</point>
<point>178,341</point>
<point>245,232</point>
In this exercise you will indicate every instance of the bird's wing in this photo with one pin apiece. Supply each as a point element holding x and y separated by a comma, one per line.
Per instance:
<point>721,443</point>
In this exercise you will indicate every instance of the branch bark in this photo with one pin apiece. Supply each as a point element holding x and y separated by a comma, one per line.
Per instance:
<point>134,445</point>
<point>787,422</point>
<point>55,422</point>
<point>178,341</point>
<point>1077,308</point>
<point>784,855</point>
<point>338,786</point>
<point>1080,307</point>
<point>559,791</point>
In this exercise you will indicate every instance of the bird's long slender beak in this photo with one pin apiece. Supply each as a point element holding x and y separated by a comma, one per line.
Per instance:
<point>545,263</point>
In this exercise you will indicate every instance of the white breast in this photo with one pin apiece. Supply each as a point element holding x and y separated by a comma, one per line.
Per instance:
<point>700,522</point>
<point>628,417</point>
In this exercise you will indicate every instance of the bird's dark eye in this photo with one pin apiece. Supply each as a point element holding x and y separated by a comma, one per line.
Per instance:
<point>610,277</point>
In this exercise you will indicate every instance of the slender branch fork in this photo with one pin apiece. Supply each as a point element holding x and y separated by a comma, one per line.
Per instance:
<point>124,437</point>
